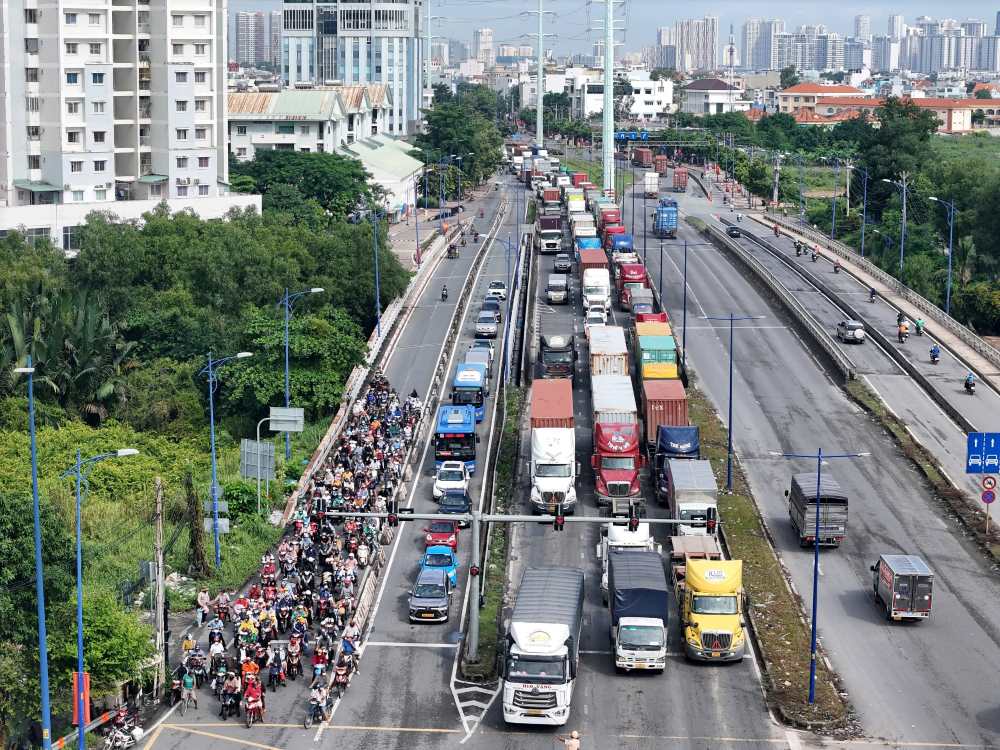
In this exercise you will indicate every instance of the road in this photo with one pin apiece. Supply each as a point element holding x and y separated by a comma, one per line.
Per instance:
<point>929,682</point>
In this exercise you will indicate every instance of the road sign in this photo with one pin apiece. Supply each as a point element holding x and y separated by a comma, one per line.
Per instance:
<point>989,483</point>
<point>290,419</point>
<point>223,525</point>
<point>982,453</point>
<point>252,452</point>
<point>223,506</point>
<point>988,496</point>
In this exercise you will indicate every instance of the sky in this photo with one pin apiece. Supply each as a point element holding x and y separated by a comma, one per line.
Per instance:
<point>573,22</point>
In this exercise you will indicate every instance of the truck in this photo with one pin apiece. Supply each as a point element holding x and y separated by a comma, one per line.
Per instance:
<point>516,164</point>
<point>665,219</point>
<point>672,442</point>
<point>642,157</point>
<point>541,649</point>
<point>556,355</point>
<point>656,357</point>
<point>622,243</point>
<point>692,496</point>
<point>608,234</point>
<point>594,258</point>
<point>661,163</point>
<point>664,403</point>
<point>587,243</point>
<point>616,536</point>
<point>553,446</point>
<point>608,352</point>
<point>630,276</point>
<point>680,179</point>
<point>638,603</point>
<point>903,586</point>
<point>710,599</point>
<point>608,216</point>
<point>578,178</point>
<point>641,301</point>
<point>550,196</point>
<point>616,459</point>
<point>832,509</point>
<point>595,285</point>
<point>651,184</point>
<point>548,234</point>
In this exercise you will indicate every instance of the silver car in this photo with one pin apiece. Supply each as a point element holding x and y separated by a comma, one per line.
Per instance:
<point>430,596</point>
<point>486,325</point>
<point>851,331</point>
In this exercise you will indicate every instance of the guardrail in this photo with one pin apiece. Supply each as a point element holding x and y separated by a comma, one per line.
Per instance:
<point>842,362</point>
<point>932,311</point>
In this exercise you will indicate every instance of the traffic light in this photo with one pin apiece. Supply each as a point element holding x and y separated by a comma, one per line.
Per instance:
<point>560,519</point>
<point>393,519</point>
<point>633,517</point>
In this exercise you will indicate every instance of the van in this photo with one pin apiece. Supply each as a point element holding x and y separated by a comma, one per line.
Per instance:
<point>557,289</point>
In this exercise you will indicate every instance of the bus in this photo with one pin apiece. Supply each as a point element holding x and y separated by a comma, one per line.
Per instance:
<point>469,388</point>
<point>455,436</point>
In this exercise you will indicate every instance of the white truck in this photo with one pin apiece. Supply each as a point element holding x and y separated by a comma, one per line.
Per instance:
<point>638,598</point>
<point>596,287</point>
<point>692,495</point>
<point>617,537</point>
<point>542,647</point>
<point>651,185</point>
<point>553,446</point>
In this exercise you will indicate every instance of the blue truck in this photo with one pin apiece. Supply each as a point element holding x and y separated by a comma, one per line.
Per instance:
<point>622,243</point>
<point>665,219</point>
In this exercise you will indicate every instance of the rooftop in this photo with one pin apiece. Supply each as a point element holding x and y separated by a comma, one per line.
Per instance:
<point>709,84</point>
<point>818,88</point>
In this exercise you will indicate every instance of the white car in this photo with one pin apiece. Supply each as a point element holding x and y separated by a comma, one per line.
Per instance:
<point>497,289</point>
<point>451,476</point>
<point>595,317</point>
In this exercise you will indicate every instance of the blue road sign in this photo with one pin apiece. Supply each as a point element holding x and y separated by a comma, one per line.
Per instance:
<point>988,496</point>
<point>982,453</point>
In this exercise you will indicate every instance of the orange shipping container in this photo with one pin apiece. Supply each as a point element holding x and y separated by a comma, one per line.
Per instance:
<point>650,328</point>
<point>552,403</point>
<point>664,402</point>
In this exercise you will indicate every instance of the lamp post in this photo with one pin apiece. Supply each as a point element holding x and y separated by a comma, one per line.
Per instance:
<point>864,212</point>
<point>416,217</point>
<point>209,370</point>
<point>645,216</point>
<point>833,214</point>
<point>286,302</point>
<point>820,457</point>
<point>81,471</point>
<point>902,185</point>
<point>731,318</point>
<point>950,207</point>
<point>43,648</point>
<point>378,280</point>
<point>802,189</point>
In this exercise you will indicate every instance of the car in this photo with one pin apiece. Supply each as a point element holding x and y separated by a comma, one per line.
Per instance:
<point>442,532</point>
<point>452,475</point>
<point>600,307</point>
<point>455,501</point>
<point>492,303</point>
<point>430,596</point>
<point>734,232</point>
<point>491,294</point>
<point>595,317</point>
<point>640,308</point>
<point>486,325</point>
<point>562,263</point>
<point>440,557</point>
<point>498,289</point>
<point>484,345</point>
<point>852,331</point>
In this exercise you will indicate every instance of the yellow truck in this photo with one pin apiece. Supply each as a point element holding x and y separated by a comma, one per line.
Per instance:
<point>709,592</point>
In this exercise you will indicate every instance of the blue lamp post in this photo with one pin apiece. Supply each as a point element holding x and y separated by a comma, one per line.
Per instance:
<point>286,302</point>
<point>902,185</point>
<point>820,458</point>
<point>43,648</point>
<point>81,471</point>
<point>209,370</point>
<point>864,212</point>
<point>833,213</point>
<point>731,318</point>
<point>950,208</point>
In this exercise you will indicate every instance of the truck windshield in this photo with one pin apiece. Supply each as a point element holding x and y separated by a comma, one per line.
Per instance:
<point>704,604</point>
<point>552,470</point>
<point>693,515</point>
<point>641,637</point>
<point>618,462</point>
<point>634,286</point>
<point>557,358</point>
<point>536,670</point>
<point>594,289</point>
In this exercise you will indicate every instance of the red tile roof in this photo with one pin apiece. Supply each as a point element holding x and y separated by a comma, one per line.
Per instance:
<point>816,88</point>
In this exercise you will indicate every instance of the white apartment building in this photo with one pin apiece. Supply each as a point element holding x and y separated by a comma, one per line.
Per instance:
<point>651,100</point>
<point>482,47</point>
<point>697,43</point>
<point>107,104</point>
<point>712,96</point>
<point>251,38</point>
<point>274,39</point>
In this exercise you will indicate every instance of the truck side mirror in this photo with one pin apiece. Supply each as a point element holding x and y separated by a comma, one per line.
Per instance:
<point>593,465</point>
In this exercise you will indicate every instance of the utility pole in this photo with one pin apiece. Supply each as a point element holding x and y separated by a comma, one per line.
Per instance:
<point>161,670</point>
<point>777,177</point>
<point>607,134</point>
<point>427,62</point>
<point>540,88</point>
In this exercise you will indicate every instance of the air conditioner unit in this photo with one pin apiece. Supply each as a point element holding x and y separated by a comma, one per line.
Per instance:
<point>197,181</point>
<point>183,180</point>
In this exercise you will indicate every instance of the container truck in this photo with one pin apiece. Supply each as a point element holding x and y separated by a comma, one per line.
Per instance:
<point>651,184</point>
<point>642,157</point>
<point>516,164</point>
<point>550,196</point>
<point>616,536</point>
<point>542,647</point>
<point>594,258</point>
<point>709,593</point>
<point>630,276</point>
<point>608,352</point>
<point>548,234</point>
<point>641,301</point>
<point>665,219</point>
<point>579,178</point>
<point>672,442</point>
<point>680,179</point>
<point>656,357</point>
<point>553,446</point>
<point>657,317</point>
<point>903,586</point>
<point>595,286</point>
<point>661,163</point>
<point>832,509</point>
<point>664,402</point>
<point>616,460</point>
<point>692,496</point>
<point>556,355</point>
<point>587,243</point>
<point>622,243</point>
<point>608,216</point>
<point>608,234</point>
<point>637,602</point>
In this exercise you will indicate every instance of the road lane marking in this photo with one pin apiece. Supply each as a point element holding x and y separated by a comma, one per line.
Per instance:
<point>153,737</point>
<point>410,645</point>
<point>225,738</point>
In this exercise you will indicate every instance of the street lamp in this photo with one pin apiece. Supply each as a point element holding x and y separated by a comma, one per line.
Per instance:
<point>820,457</point>
<point>209,369</point>
<point>81,471</point>
<point>731,318</point>
<point>836,183</point>
<point>378,278</point>
<point>902,230</point>
<point>286,302</point>
<point>950,207</point>
<point>864,213</point>
<point>43,649</point>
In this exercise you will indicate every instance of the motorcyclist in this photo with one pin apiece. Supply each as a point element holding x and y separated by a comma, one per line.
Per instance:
<point>872,294</point>
<point>970,381</point>
<point>254,695</point>
<point>935,353</point>
<point>836,266</point>
<point>900,318</point>
<point>919,325</point>
<point>317,697</point>
<point>798,248</point>
<point>444,292</point>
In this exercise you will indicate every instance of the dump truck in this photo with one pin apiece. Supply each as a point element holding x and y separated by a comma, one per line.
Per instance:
<point>638,602</point>
<point>832,509</point>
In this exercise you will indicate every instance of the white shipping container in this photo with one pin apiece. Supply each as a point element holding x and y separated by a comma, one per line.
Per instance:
<point>608,352</point>
<point>613,399</point>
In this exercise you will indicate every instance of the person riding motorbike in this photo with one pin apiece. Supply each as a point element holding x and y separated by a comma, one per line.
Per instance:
<point>231,691</point>
<point>836,266</point>
<point>777,231</point>
<point>970,382</point>
<point>904,331</point>
<point>918,324</point>
<point>872,294</point>
<point>317,699</point>
<point>444,292</point>
<point>798,248</point>
<point>900,318</point>
<point>935,354</point>
<point>254,696</point>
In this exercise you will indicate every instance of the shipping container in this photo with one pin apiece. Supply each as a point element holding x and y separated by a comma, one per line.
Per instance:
<point>579,178</point>
<point>608,351</point>
<point>664,402</point>
<point>592,259</point>
<point>613,400</point>
<point>652,328</point>
<point>552,403</point>
<point>680,179</point>
<point>643,157</point>
<point>660,164</point>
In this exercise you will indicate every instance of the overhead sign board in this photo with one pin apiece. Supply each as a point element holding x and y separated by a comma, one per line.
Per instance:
<point>631,135</point>
<point>982,453</point>
<point>286,419</point>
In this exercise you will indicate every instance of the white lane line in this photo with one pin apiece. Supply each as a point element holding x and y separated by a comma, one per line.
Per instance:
<point>389,644</point>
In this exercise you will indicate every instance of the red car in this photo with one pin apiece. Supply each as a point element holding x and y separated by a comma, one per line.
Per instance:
<point>442,532</point>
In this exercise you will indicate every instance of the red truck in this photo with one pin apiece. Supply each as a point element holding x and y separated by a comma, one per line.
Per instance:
<point>610,230</point>
<point>660,317</point>
<point>680,179</point>
<point>628,277</point>
<point>660,163</point>
<point>616,462</point>
<point>550,196</point>
<point>579,178</point>
<point>608,216</point>
<point>592,259</point>
<point>642,157</point>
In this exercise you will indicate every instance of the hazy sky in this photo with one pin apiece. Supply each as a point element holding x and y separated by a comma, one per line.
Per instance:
<point>573,17</point>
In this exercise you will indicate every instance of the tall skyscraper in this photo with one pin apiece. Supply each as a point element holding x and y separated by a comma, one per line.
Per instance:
<point>996,30</point>
<point>863,27</point>
<point>251,38</point>
<point>482,47</point>
<point>759,49</point>
<point>697,43</point>
<point>665,36</point>
<point>83,124</point>
<point>458,51</point>
<point>750,43</point>
<point>378,43</point>
<point>896,27</point>
<point>885,54</point>
<point>274,34</point>
<point>974,27</point>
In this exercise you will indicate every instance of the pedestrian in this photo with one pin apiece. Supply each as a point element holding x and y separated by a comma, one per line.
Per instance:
<point>572,742</point>
<point>204,603</point>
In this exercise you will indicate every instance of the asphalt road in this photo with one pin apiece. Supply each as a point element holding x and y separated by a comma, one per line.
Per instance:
<point>926,682</point>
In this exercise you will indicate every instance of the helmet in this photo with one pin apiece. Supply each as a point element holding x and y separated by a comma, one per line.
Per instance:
<point>574,734</point>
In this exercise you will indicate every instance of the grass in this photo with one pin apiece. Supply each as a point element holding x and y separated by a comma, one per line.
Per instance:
<point>530,212</point>
<point>979,147</point>
<point>495,567</point>
<point>594,170</point>
<point>781,630</point>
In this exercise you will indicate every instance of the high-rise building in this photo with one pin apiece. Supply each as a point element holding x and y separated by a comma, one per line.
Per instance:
<point>896,27</point>
<point>458,51</point>
<point>482,47</point>
<point>863,27</point>
<point>665,36</point>
<point>251,38</point>
<point>83,124</point>
<point>885,54</point>
<point>274,35</point>
<point>974,27</point>
<point>750,42</point>
<point>828,52</point>
<point>996,29</point>
<point>439,54</point>
<point>697,43</point>
<point>857,54</point>
<point>379,43</point>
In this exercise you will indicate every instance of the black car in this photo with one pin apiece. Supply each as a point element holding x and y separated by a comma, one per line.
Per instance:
<point>734,232</point>
<point>563,263</point>
<point>455,501</point>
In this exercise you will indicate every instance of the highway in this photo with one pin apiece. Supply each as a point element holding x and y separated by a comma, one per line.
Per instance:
<point>926,682</point>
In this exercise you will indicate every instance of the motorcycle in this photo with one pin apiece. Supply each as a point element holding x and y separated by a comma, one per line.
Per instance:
<point>935,358</point>
<point>254,713</point>
<point>798,250</point>
<point>970,387</point>
<point>836,267</point>
<point>920,330</point>
<point>119,739</point>
<point>314,715</point>
<point>196,666</point>
<point>903,336</point>
<point>275,677</point>
<point>230,705</point>
<point>444,295</point>
<point>815,256</point>
<point>284,618</point>
<point>872,295</point>
<point>362,554</point>
<point>219,681</point>
<point>341,679</point>
<point>175,691</point>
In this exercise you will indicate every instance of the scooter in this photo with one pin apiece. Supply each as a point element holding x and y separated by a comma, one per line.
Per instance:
<point>341,679</point>
<point>362,554</point>
<point>935,357</point>
<point>815,257</point>
<point>230,706</point>
<point>970,387</point>
<point>444,295</point>
<point>836,268</point>
<point>903,336</point>
<point>871,296</point>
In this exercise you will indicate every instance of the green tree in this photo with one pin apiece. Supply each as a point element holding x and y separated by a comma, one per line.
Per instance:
<point>789,77</point>
<point>983,94</point>
<point>162,395</point>
<point>442,93</point>
<point>663,73</point>
<point>455,128</point>
<point>986,227</point>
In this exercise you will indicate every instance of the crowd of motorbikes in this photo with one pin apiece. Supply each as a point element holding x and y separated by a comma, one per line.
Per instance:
<point>297,618</point>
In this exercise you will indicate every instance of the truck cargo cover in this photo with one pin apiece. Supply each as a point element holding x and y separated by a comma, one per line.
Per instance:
<point>829,488</point>
<point>637,585</point>
<point>550,595</point>
<point>677,441</point>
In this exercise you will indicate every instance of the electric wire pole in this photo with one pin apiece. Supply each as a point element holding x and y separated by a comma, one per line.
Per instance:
<point>540,88</point>
<point>608,134</point>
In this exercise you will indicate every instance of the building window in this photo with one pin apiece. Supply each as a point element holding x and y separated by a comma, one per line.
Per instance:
<point>199,22</point>
<point>178,20</point>
<point>241,151</point>
<point>305,129</point>
<point>76,166</point>
<point>181,77</point>
<point>200,76</point>
<point>182,105</point>
<point>95,48</point>
<point>72,78</point>
<point>73,136</point>
<point>182,134</point>
<point>182,191</point>
<point>200,105</point>
<point>200,49</point>
<point>34,161</point>
<point>178,49</point>
<point>202,162</point>
<point>31,46</point>
<point>99,165</point>
<point>182,162</point>
<point>284,129</point>
<point>98,108</point>
<point>101,194</point>
<point>71,48</point>
<point>31,75</point>
<point>31,103</point>
<point>203,190</point>
<point>78,196</point>
<point>34,132</point>
<point>97,78</point>
<point>94,19</point>
<point>30,15</point>
<point>70,18</point>
<point>72,108</point>
<point>241,130</point>
<point>99,136</point>
<point>200,133</point>
<point>71,238</point>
